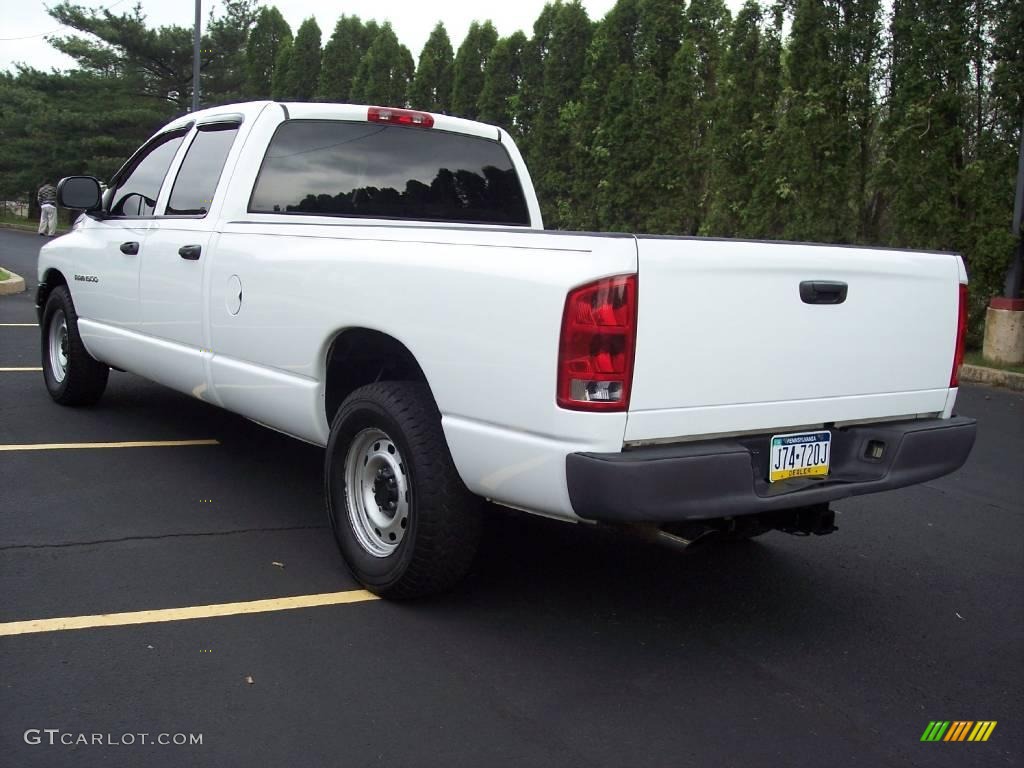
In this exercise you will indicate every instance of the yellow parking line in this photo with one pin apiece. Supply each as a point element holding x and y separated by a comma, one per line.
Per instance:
<point>185,614</point>
<point>12,370</point>
<point>139,444</point>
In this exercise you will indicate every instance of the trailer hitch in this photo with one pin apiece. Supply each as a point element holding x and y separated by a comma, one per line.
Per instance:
<point>816,520</point>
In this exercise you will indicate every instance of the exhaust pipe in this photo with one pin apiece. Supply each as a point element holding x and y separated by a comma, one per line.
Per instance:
<point>680,537</point>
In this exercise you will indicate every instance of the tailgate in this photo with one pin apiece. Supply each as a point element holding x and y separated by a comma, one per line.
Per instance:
<point>726,343</point>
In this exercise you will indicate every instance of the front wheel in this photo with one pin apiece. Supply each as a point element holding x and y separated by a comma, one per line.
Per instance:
<point>72,375</point>
<point>401,516</point>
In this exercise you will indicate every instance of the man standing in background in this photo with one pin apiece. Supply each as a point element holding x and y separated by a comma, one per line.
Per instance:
<point>47,198</point>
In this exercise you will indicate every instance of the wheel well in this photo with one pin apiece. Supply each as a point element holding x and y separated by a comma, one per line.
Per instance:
<point>360,356</point>
<point>51,279</point>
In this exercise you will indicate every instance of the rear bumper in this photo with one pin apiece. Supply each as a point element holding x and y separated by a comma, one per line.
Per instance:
<point>728,478</point>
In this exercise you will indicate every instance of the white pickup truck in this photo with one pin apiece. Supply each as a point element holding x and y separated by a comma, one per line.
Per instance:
<point>378,281</point>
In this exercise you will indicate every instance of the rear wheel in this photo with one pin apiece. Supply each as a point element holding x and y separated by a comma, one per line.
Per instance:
<point>401,516</point>
<point>72,375</point>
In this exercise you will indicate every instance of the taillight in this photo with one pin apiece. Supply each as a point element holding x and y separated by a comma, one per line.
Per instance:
<point>961,335</point>
<point>595,352</point>
<point>400,117</point>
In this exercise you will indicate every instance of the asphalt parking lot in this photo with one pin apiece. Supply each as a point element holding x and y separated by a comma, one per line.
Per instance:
<point>566,647</point>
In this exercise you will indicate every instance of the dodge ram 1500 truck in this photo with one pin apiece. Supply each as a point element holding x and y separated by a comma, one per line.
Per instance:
<point>378,281</point>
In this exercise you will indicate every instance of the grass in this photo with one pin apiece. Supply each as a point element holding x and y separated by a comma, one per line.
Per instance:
<point>30,225</point>
<point>10,218</point>
<point>3,275</point>
<point>976,358</point>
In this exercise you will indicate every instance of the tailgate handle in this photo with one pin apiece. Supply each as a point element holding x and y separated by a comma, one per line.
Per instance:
<point>823,292</point>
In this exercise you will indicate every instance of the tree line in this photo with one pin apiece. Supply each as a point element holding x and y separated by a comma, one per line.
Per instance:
<point>840,121</point>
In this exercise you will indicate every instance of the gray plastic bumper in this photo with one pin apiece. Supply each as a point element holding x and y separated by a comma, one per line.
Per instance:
<point>729,477</point>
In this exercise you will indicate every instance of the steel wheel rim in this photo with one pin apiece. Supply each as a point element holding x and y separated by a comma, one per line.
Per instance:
<point>376,492</point>
<point>58,346</point>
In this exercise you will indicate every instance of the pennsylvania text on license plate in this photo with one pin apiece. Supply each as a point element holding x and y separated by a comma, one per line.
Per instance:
<point>800,454</point>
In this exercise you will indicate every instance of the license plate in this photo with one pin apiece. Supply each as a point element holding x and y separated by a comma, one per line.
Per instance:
<point>800,454</point>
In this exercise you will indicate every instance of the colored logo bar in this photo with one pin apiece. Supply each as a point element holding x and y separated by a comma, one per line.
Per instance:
<point>958,730</point>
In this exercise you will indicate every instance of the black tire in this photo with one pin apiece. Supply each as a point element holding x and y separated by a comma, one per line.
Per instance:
<point>442,535</point>
<point>85,378</point>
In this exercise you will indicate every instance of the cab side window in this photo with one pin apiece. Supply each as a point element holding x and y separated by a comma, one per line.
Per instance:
<point>138,189</point>
<point>200,171</point>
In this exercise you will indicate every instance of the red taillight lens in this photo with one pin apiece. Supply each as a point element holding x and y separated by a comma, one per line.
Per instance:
<point>400,117</point>
<point>595,353</point>
<point>961,335</point>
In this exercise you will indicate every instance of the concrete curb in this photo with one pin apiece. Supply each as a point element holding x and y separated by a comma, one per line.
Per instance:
<point>15,284</point>
<point>981,375</point>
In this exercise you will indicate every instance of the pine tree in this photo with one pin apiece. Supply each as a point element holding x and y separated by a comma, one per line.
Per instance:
<point>158,62</point>
<point>499,99</point>
<point>619,183</point>
<point>659,33</point>
<point>606,94</point>
<point>679,149</point>
<point>996,94</point>
<point>431,87</point>
<point>279,90</point>
<point>385,72</point>
<point>554,124</point>
<point>469,67</point>
<point>859,43</point>
<point>265,40</point>
<point>342,54</point>
<point>227,34</point>
<point>922,171</point>
<point>749,86</point>
<point>304,68</point>
<point>532,87</point>
<point>761,218</point>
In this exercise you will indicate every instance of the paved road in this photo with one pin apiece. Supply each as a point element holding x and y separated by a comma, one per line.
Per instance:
<point>566,647</point>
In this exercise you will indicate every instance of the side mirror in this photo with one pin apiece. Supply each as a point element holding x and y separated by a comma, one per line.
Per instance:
<point>80,193</point>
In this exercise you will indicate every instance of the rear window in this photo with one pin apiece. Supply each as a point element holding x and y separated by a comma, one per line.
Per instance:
<point>335,168</point>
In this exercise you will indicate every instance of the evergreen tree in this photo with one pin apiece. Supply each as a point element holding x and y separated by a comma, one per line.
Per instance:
<point>659,34</point>
<point>1007,107</point>
<point>558,111</point>
<point>431,87</point>
<point>859,43</point>
<point>749,87</point>
<point>279,88</point>
<point>601,133</point>
<point>158,62</point>
<point>384,74</point>
<point>470,65</point>
<point>304,67</point>
<point>268,33</point>
<point>814,142</point>
<point>532,88</point>
<point>55,124</point>
<point>619,184</point>
<point>499,99</point>
<point>921,174</point>
<point>992,144</point>
<point>348,44</point>
<point>225,73</point>
<point>683,153</point>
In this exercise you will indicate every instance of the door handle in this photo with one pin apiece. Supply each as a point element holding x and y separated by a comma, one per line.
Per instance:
<point>190,252</point>
<point>823,292</point>
<point>130,248</point>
